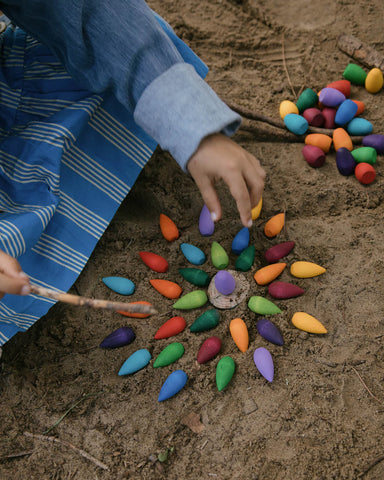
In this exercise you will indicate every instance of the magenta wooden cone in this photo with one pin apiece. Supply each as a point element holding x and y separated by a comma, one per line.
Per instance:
<point>314,156</point>
<point>277,252</point>
<point>284,290</point>
<point>314,117</point>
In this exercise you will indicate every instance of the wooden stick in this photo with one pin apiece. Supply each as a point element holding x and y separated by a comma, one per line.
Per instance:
<point>364,54</point>
<point>93,302</point>
<point>67,444</point>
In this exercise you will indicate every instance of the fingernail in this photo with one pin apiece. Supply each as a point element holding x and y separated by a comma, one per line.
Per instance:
<point>26,290</point>
<point>213,216</point>
<point>23,274</point>
<point>250,224</point>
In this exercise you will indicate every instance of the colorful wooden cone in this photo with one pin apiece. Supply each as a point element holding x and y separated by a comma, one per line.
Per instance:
<point>135,362</point>
<point>168,228</point>
<point>225,370</point>
<point>169,354</point>
<point>341,139</point>
<point>171,327</point>
<point>359,126</point>
<point>314,156</point>
<point>274,225</point>
<point>172,385</point>
<point>296,124</point>
<point>118,338</point>
<point>355,74</point>
<point>239,333</point>
<point>246,258</point>
<point>346,111</point>
<point>360,107</point>
<point>303,269</point>
<point>209,349</point>
<point>306,322</point>
<point>286,107</point>
<point>262,306</point>
<point>206,224</point>
<point>193,254</point>
<point>375,140</point>
<point>314,117</point>
<point>194,299</point>
<point>167,288</point>
<point>283,290</point>
<point>136,315</point>
<point>365,155</point>
<point>365,173</point>
<point>331,97</point>
<point>279,251</point>
<point>267,274</point>
<point>257,210</point>
<point>374,80</point>
<point>197,277</point>
<point>319,140</point>
<point>329,115</point>
<point>154,262</point>
<point>206,321</point>
<point>269,331</point>
<point>120,285</point>
<point>307,99</point>
<point>219,256</point>
<point>241,241</point>
<point>345,162</point>
<point>264,363</point>
<point>344,86</point>
<point>224,282</point>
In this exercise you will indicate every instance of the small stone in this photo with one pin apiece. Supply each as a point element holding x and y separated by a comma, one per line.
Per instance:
<point>249,406</point>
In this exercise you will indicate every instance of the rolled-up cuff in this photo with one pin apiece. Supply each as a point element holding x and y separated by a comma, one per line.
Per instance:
<point>178,109</point>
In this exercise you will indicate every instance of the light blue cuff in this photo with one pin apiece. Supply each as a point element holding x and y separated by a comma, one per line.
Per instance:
<point>178,109</point>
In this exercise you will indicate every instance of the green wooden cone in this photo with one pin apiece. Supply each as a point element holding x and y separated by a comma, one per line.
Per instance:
<point>365,154</point>
<point>262,306</point>
<point>245,260</point>
<point>224,372</point>
<point>307,99</point>
<point>194,299</point>
<point>355,74</point>
<point>197,277</point>
<point>169,354</point>
<point>206,321</point>
<point>219,256</point>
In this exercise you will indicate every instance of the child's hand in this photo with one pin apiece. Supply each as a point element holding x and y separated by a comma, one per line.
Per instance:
<point>219,157</point>
<point>12,278</point>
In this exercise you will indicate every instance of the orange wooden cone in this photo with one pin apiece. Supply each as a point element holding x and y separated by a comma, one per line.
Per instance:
<point>167,288</point>
<point>319,140</point>
<point>171,327</point>
<point>168,228</point>
<point>342,139</point>
<point>269,273</point>
<point>274,225</point>
<point>136,315</point>
<point>239,332</point>
<point>360,107</point>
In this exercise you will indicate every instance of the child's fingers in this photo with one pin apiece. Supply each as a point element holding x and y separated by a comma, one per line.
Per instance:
<point>240,193</point>
<point>209,194</point>
<point>10,266</point>
<point>15,286</point>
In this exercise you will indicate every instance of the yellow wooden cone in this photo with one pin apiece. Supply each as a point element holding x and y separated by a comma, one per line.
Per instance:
<point>239,332</point>
<point>306,322</point>
<point>306,269</point>
<point>257,210</point>
<point>267,274</point>
<point>274,225</point>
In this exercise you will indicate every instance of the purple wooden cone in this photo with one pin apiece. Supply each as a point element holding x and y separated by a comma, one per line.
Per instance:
<point>375,141</point>
<point>283,290</point>
<point>345,161</point>
<point>224,282</point>
<point>264,363</point>
<point>331,97</point>
<point>118,338</point>
<point>269,331</point>
<point>206,224</point>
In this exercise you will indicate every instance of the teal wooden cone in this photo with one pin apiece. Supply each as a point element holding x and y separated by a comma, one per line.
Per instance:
<point>224,372</point>
<point>194,299</point>
<point>262,306</point>
<point>169,354</point>
<point>245,260</point>
<point>206,321</point>
<point>197,277</point>
<point>219,256</point>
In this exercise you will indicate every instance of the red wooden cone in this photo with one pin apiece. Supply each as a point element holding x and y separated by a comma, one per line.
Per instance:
<point>171,327</point>
<point>283,290</point>
<point>154,262</point>
<point>275,253</point>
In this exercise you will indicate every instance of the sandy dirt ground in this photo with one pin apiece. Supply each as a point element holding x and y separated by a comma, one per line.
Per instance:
<point>322,417</point>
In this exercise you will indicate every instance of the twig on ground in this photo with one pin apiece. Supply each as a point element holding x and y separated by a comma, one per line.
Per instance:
<point>285,67</point>
<point>364,54</point>
<point>69,445</point>
<point>69,410</point>
<point>93,302</point>
<point>370,466</point>
<point>16,455</point>
<point>365,386</point>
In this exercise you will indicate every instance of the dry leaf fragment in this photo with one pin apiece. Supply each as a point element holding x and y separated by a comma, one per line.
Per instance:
<point>192,420</point>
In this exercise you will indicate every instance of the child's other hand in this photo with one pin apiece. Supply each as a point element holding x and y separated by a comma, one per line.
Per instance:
<point>219,157</point>
<point>12,278</point>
